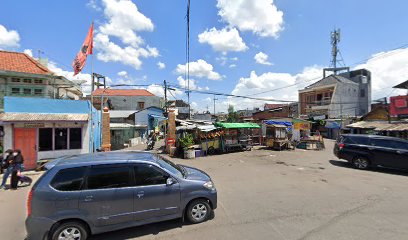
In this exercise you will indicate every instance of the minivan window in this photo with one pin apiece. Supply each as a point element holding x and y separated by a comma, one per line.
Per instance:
<point>108,177</point>
<point>171,167</point>
<point>69,179</point>
<point>146,174</point>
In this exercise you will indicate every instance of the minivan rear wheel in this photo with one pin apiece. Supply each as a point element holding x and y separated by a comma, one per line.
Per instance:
<point>198,211</point>
<point>70,231</point>
<point>361,162</point>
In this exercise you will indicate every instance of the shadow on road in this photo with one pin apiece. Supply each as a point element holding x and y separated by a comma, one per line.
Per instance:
<point>144,230</point>
<point>345,164</point>
<point>135,232</point>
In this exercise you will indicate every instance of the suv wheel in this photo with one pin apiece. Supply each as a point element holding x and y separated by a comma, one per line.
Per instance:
<point>361,163</point>
<point>198,211</point>
<point>69,231</point>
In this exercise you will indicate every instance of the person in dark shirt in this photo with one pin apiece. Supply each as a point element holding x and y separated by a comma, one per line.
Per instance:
<point>8,165</point>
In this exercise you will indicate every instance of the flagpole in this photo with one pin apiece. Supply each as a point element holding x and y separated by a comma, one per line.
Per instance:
<point>92,89</point>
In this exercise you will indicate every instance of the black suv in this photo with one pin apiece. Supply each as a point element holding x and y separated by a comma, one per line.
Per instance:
<point>364,151</point>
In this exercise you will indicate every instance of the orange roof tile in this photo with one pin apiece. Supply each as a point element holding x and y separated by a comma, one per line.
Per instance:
<point>122,92</point>
<point>21,62</point>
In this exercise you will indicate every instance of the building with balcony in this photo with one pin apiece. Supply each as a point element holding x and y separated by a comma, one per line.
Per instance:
<point>23,76</point>
<point>337,96</point>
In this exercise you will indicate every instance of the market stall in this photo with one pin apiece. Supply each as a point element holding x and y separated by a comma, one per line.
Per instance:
<point>237,136</point>
<point>277,134</point>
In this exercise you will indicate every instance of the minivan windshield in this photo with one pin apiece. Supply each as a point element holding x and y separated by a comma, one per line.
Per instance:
<point>172,167</point>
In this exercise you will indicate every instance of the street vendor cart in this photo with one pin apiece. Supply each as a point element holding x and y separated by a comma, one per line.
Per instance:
<point>236,136</point>
<point>277,136</point>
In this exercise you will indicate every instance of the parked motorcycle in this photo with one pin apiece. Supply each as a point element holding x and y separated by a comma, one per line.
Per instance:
<point>150,144</point>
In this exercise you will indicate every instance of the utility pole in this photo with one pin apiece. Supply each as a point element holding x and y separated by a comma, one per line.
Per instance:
<point>165,96</point>
<point>215,99</point>
<point>335,39</point>
<point>188,57</point>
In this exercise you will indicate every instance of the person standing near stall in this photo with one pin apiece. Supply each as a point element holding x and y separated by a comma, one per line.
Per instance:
<point>8,166</point>
<point>17,167</point>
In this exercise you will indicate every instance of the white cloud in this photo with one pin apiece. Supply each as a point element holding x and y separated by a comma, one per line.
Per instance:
<point>9,38</point>
<point>81,78</point>
<point>193,84</point>
<point>158,90</point>
<point>123,21</point>
<point>261,16</point>
<point>122,73</point>
<point>254,84</point>
<point>200,69</point>
<point>29,52</point>
<point>232,65</point>
<point>262,58</point>
<point>111,52</point>
<point>387,70</point>
<point>161,65</point>
<point>224,40</point>
<point>93,5</point>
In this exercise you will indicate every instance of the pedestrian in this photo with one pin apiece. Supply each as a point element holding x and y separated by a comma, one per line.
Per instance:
<point>17,167</point>
<point>8,165</point>
<point>18,159</point>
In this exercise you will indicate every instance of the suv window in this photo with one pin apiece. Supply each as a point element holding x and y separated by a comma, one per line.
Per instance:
<point>383,143</point>
<point>69,179</point>
<point>389,143</point>
<point>146,174</point>
<point>356,140</point>
<point>100,177</point>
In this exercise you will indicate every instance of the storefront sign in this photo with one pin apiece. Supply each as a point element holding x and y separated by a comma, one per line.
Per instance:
<point>302,126</point>
<point>34,125</point>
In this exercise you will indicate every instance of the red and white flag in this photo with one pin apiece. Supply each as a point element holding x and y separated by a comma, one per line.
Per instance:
<point>80,59</point>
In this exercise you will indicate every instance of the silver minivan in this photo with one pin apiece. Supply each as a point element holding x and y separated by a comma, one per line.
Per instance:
<point>94,193</point>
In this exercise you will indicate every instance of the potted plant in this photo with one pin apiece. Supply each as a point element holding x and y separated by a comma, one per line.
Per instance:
<point>186,143</point>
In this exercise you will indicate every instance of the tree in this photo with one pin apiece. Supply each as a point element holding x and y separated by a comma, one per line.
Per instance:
<point>232,115</point>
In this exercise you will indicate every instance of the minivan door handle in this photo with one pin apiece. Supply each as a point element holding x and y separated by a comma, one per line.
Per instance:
<point>88,198</point>
<point>140,194</point>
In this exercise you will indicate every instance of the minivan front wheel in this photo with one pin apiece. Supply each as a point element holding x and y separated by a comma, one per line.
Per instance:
<point>70,231</point>
<point>198,211</point>
<point>361,163</point>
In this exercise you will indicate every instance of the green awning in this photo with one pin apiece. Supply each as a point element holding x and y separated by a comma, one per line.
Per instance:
<point>236,125</point>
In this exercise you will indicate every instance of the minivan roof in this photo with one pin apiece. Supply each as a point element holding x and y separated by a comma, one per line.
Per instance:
<point>103,158</point>
<point>373,136</point>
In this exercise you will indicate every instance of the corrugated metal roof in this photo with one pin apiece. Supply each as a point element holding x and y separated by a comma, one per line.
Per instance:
<point>380,126</point>
<point>122,92</point>
<point>120,113</point>
<point>329,80</point>
<point>45,105</point>
<point>42,117</point>
<point>125,125</point>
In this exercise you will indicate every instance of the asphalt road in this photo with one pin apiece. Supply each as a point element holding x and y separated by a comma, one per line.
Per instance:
<point>264,194</point>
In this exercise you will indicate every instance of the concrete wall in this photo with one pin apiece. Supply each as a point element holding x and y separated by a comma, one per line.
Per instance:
<point>347,95</point>
<point>131,103</point>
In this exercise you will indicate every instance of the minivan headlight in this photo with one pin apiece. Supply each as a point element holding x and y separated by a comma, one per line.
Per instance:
<point>209,185</point>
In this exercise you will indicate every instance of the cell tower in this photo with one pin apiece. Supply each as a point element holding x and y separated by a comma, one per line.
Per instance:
<point>335,39</point>
<point>335,53</point>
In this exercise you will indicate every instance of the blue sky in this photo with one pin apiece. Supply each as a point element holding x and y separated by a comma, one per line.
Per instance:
<point>290,39</point>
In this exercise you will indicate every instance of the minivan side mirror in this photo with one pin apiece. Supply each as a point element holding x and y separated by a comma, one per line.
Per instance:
<point>169,181</point>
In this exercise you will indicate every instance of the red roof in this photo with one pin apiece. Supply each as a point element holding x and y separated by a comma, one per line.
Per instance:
<point>122,92</point>
<point>21,62</point>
